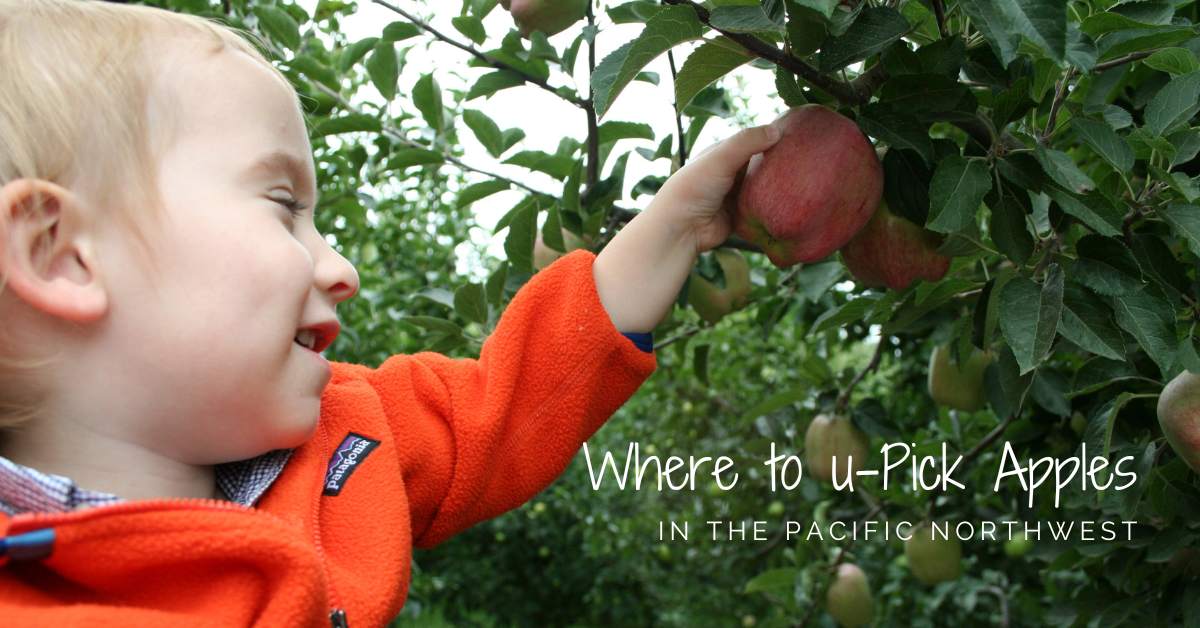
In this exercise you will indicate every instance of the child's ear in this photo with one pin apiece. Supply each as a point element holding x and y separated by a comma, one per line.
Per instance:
<point>46,252</point>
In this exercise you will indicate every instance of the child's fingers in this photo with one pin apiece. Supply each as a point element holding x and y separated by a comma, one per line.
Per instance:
<point>728,156</point>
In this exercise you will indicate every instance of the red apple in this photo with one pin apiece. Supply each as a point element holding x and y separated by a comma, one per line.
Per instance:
<point>547,16</point>
<point>1179,417</point>
<point>892,251</point>
<point>806,196</point>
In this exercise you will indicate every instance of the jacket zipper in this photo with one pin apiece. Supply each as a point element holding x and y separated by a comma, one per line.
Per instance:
<point>32,521</point>
<point>337,615</point>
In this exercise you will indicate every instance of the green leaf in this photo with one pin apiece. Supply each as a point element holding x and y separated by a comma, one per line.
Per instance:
<point>1008,226</point>
<point>807,29</point>
<point>957,189</point>
<point>670,26</point>
<point>743,19</point>
<point>823,7</point>
<point>518,244</point>
<point>1063,170</point>
<point>346,124</point>
<point>402,158</point>
<point>1185,221</point>
<point>1004,384</point>
<point>471,27</point>
<point>556,166</point>
<point>399,31</point>
<point>1029,316</point>
<point>848,312</point>
<point>1124,42</point>
<point>355,51</point>
<point>433,324</point>
<point>470,302</point>
<point>427,96</point>
<point>614,130</point>
<point>1107,22</point>
<point>633,12</point>
<point>708,63</point>
<point>493,82</point>
<point>1112,147</point>
<point>384,69</point>
<point>1100,215</point>
<point>495,285</point>
<point>1106,266</point>
<point>897,129</point>
<point>485,131</point>
<point>875,29</point>
<point>279,25</point>
<point>1173,104</point>
<point>1173,61</point>
<point>1043,22</point>
<point>1149,318</point>
<point>478,191</point>
<point>1088,323</point>
<point>783,578</point>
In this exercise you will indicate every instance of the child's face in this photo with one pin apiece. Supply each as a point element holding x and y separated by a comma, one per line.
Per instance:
<point>209,353</point>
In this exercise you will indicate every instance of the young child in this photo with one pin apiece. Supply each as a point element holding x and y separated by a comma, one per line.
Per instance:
<point>176,450</point>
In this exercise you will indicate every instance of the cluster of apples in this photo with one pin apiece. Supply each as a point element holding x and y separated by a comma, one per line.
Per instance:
<point>548,16</point>
<point>818,190</point>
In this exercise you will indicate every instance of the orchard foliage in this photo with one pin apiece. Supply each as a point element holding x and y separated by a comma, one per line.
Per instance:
<point>1049,144</point>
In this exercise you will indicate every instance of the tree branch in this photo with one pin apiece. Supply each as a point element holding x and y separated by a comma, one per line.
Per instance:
<point>496,63</point>
<point>844,398</point>
<point>683,149</point>
<point>398,136</point>
<point>1059,96</point>
<point>939,10</point>
<point>593,144</point>
<point>839,90</point>
<point>1129,58</point>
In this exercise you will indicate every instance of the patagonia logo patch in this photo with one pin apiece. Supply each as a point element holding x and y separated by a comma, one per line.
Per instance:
<point>352,452</point>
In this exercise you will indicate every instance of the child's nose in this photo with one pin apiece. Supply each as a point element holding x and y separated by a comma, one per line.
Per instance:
<point>337,276</point>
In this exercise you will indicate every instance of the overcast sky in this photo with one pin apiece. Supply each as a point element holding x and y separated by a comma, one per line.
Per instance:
<point>544,117</point>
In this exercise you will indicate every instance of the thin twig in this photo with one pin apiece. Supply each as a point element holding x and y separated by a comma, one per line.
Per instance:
<point>1059,96</point>
<point>683,149</point>
<point>842,91</point>
<point>398,136</point>
<point>589,106</point>
<point>1129,58</point>
<point>844,398</point>
<point>680,336</point>
<point>939,10</point>
<point>496,63</point>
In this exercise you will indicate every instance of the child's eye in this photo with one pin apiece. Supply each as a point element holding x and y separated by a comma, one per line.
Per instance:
<point>292,205</point>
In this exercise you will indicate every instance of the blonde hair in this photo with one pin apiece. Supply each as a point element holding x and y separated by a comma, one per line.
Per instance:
<point>75,90</point>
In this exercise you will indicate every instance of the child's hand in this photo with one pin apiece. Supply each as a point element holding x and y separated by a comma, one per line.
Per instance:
<point>697,200</point>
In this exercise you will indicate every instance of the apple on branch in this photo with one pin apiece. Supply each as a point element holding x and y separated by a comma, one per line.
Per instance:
<point>933,559</point>
<point>713,302</point>
<point>1179,417</point>
<point>834,438</point>
<point>958,386</point>
<point>810,193</point>
<point>548,16</point>
<point>894,252</point>
<point>848,599</point>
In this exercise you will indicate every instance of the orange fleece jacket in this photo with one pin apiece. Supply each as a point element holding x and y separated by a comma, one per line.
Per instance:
<point>459,441</point>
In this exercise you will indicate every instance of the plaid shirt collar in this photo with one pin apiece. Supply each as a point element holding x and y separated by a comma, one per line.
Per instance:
<point>24,489</point>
